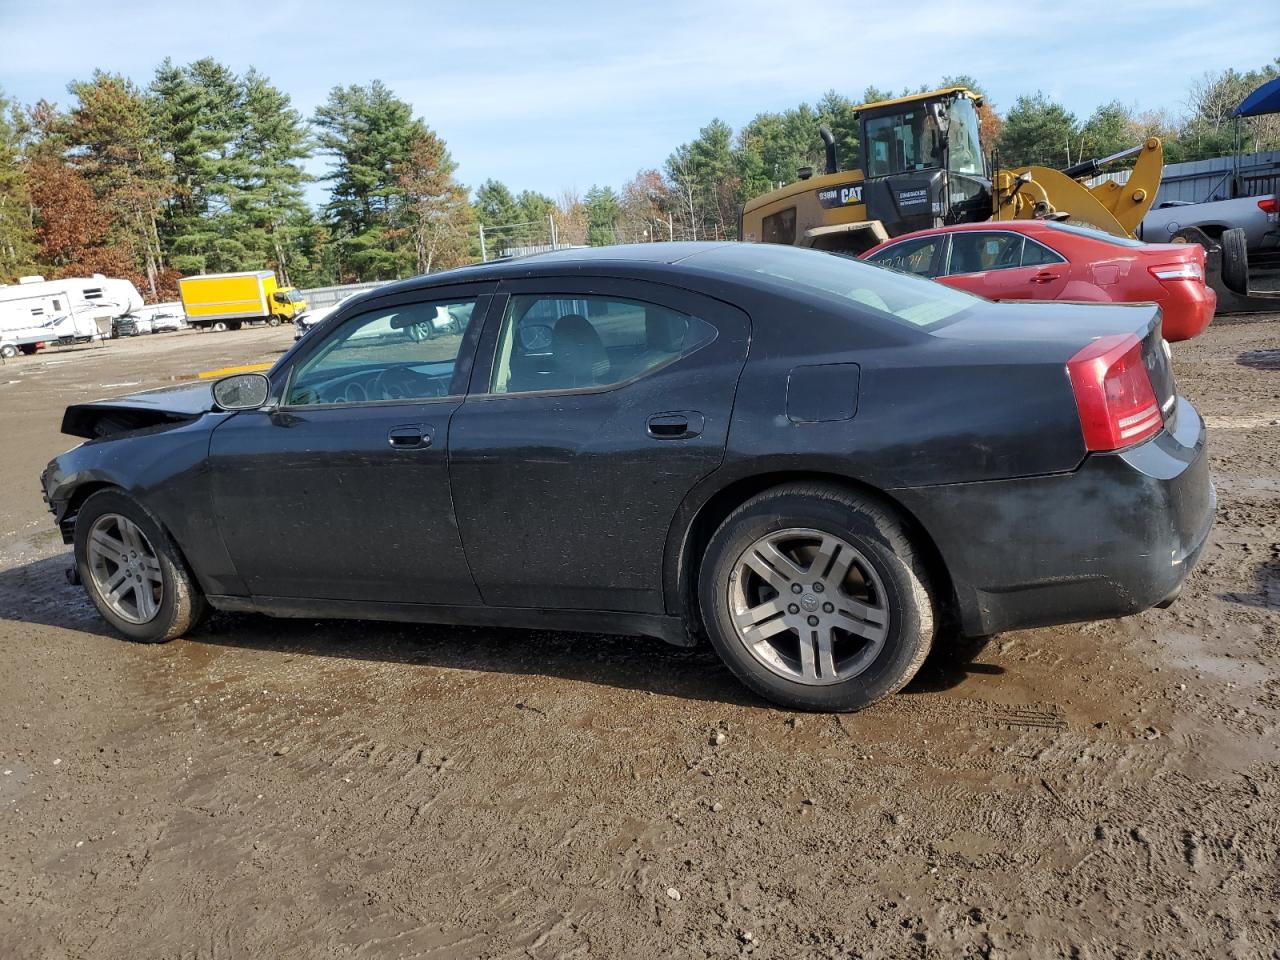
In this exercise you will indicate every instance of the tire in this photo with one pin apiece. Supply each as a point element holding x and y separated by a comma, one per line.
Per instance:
<point>1235,260</point>
<point>273,321</point>
<point>180,605</point>
<point>8,351</point>
<point>885,580</point>
<point>218,326</point>
<point>235,324</point>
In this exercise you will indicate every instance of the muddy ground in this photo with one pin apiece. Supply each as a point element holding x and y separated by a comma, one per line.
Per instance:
<point>303,789</point>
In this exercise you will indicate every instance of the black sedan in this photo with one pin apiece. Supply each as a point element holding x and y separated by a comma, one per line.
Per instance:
<point>815,463</point>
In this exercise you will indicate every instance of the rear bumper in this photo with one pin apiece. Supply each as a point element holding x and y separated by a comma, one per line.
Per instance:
<point>1117,536</point>
<point>1188,308</point>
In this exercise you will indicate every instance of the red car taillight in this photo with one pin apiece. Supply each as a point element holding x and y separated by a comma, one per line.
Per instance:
<point>1268,205</point>
<point>1114,396</point>
<point>1177,271</point>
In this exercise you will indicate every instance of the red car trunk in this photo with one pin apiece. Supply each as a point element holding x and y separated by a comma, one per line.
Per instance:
<point>1039,260</point>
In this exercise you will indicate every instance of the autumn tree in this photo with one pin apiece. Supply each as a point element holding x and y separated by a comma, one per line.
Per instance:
<point>438,213</point>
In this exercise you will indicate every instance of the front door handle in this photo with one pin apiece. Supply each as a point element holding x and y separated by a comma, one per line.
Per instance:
<point>676,425</point>
<point>410,436</point>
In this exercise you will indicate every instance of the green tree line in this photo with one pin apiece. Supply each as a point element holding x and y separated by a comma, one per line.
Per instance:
<point>204,170</point>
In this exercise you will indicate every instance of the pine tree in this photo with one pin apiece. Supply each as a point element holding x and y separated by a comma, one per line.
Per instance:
<point>370,134</point>
<point>17,233</point>
<point>199,113</point>
<point>267,174</point>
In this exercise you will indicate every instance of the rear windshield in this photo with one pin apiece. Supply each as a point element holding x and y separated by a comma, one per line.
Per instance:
<point>1093,233</point>
<point>897,296</point>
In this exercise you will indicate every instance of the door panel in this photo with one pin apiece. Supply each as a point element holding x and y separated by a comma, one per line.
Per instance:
<point>330,502</point>
<point>564,496</point>
<point>342,492</point>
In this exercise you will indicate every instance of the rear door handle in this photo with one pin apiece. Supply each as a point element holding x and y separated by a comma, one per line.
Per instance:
<point>410,436</point>
<point>1046,277</point>
<point>676,425</point>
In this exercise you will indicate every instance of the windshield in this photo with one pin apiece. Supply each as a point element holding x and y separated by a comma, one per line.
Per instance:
<point>1093,233</point>
<point>293,296</point>
<point>964,148</point>
<point>896,296</point>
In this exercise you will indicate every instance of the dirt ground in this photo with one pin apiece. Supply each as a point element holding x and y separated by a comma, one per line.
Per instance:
<point>306,789</point>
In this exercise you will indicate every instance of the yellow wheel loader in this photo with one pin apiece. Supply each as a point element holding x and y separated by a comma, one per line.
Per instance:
<point>923,165</point>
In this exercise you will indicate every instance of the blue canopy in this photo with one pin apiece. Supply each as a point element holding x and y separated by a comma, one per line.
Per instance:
<point>1264,100</point>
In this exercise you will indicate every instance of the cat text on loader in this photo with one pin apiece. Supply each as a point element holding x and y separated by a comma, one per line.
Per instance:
<point>923,165</point>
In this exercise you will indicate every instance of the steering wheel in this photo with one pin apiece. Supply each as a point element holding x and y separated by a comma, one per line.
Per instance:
<point>399,383</point>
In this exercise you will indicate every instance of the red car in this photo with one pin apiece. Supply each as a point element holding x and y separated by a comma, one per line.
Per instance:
<point>1045,260</point>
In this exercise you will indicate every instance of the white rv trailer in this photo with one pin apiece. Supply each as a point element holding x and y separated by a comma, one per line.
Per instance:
<point>72,310</point>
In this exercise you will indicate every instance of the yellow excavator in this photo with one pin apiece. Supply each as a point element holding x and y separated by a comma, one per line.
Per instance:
<point>923,165</point>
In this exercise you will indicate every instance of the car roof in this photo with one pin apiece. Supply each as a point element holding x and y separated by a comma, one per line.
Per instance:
<point>558,262</point>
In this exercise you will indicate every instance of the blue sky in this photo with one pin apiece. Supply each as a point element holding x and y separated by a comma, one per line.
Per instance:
<point>553,95</point>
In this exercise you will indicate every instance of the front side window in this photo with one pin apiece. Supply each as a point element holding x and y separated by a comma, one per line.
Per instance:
<point>565,342</point>
<point>911,256</point>
<point>779,227</point>
<point>902,142</point>
<point>405,352</point>
<point>979,251</point>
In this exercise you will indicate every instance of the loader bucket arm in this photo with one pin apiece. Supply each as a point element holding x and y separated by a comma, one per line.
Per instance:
<point>1113,207</point>
<point>1130,201</point>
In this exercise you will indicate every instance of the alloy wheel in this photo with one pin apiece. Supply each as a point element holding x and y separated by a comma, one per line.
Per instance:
<point>124,568</point>
<point>808,606</point>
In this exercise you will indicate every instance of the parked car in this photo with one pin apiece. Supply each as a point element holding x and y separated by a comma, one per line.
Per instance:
<point>813,461</point>
<point>1045,260</point>
<point>131,326</point>
<point>306,322</point>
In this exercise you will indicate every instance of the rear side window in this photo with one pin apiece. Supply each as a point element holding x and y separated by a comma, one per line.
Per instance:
<point>1038,255</point>
<point>564,342</point>
<point>779,227</point>
<point>981,251</point>
<point>917,256</point>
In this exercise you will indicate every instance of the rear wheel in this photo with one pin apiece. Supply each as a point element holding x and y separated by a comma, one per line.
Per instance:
<point>816,599</point>
<point>1235,260</point>
<point>133,571</point>
<point>218,326</point>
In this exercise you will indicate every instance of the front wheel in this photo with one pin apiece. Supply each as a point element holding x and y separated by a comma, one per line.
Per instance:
<point>273,321</point>
<point>133,571</point>
<point>8,351</point>
<point>816,599</point>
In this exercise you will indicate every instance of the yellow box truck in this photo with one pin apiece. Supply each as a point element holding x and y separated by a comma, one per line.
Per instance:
<point>227,301</point>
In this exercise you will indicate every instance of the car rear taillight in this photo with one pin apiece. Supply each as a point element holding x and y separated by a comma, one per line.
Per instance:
<point>1177,271</point>
<point>1269,205</point>
<point>1114,395</point>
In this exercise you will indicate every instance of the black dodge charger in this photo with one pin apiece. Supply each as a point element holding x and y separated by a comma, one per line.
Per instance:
<point>813,462</point>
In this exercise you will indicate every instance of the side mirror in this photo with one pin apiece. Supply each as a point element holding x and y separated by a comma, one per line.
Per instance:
<point>242,391</point>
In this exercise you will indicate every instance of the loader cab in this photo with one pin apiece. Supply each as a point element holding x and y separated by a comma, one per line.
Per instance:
<point>922,161</point>
<point>922,166</point>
